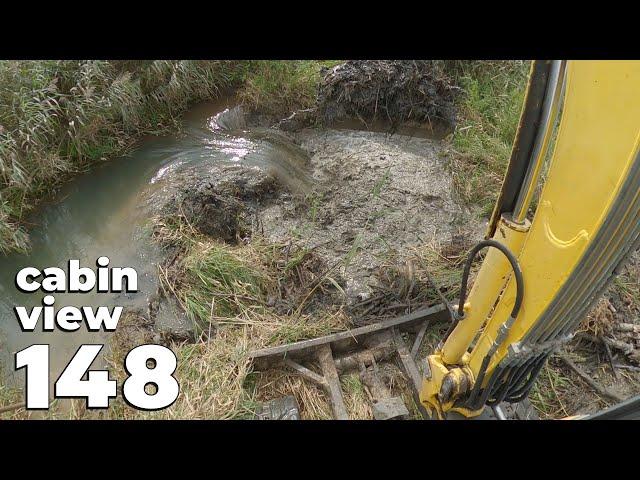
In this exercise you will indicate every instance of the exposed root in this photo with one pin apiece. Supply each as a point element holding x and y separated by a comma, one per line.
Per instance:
<point>394,91</point>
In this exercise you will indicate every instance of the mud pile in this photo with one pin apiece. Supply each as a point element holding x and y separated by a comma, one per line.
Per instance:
<point>376,198</point>
<point>222,205</point>
<point>393,91</point>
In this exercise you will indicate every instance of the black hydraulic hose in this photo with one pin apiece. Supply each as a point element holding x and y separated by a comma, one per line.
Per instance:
<point>465,277</point>
<point>505,389</point>
<point>499,393</point>
<point>514,265</point>
<point>463,297</point>
<point>478,385</point>
<point>523,371</point>
<point>522,392</point>
<point>483,399</point>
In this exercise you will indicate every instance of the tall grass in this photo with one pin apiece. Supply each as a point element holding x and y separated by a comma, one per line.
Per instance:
<point>276,87</point>
<point>57,118</point>
<point>493,93</point>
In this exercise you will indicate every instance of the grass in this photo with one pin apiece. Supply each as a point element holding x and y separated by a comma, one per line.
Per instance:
<point>58,118</point>
<point>548,392</point>
<point>218,282</point>
<point>277,87</point>
<point>356,399</point>
<point>444,264</point>
<point>627,284</point>
<point>226,289</point>
<point>381,184</point>
<point>489,110</point>
<point>9,397</point>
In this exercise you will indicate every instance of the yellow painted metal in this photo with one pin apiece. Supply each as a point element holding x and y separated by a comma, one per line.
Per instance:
<point>597,143</point>
<point>488,285</point>
<point>431,389</point>
<point>431,386</point>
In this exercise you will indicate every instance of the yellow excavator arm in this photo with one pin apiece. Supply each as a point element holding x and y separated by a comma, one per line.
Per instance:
<point>541,276</point>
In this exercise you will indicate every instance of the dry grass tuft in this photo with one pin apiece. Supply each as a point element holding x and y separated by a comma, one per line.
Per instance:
<point>235,295</point>
<point>600,319</point>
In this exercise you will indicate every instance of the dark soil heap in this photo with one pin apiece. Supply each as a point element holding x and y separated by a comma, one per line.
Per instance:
<point>222,204</point>
<point>388,90</point>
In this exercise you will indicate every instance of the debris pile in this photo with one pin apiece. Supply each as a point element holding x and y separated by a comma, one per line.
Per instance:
<point>390,90</point>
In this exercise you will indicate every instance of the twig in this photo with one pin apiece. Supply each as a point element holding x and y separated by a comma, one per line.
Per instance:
<point>443,299</point>
<point>627,327</point>
<point>317,282</point>
<point>624,347</point>
<point>628,367</point>
<point>607,350</point>
<point>598,388</point>
<point>9,408</point>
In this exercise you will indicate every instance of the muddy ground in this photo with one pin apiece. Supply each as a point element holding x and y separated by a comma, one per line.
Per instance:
<point>369,203</point>
<point>375,198</point>
<point>366,203</point>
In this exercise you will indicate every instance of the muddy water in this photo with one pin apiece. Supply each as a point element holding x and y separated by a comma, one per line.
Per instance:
<point>107,211</point>
<point>435,131</point>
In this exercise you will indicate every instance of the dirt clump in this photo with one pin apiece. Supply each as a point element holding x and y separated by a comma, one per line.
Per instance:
<point>396,91</point>
<point>222,205</point>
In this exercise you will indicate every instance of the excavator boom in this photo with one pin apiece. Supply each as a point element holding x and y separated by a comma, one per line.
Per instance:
<point>542,274</point>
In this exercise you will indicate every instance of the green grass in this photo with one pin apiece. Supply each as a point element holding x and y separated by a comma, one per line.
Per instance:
<point>279,86</point>
<point>548,391</point>
<point>219,283</point>
<point>381,183</point>
<point>489,110</point>
<point>446,272</point>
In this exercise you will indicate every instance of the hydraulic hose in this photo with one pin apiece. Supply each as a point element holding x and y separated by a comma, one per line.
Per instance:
<point>514,266</point>
<point>514,312</point>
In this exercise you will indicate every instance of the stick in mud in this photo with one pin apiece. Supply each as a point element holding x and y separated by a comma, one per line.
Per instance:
<point>598,388</point>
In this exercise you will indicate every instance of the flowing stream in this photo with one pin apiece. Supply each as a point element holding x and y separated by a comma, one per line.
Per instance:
<point>106,212</point>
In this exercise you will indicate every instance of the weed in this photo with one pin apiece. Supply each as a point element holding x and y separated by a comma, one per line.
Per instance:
<point>381,183</point>
<point>547,394</point>
<point>280,87</point>
<point>490,110</point>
